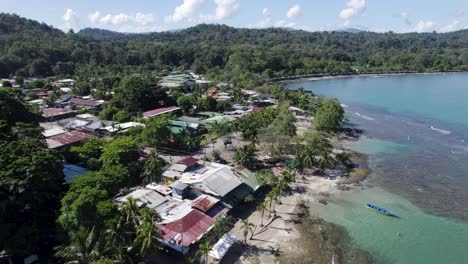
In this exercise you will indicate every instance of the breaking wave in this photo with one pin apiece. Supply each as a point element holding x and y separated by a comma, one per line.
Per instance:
<point>365,117</point>
<point>445,132</point>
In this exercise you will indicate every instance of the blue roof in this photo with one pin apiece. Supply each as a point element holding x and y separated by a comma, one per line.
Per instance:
<point>71,171</point>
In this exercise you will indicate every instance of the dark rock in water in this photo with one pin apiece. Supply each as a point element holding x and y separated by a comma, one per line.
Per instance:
<point>323,202</point>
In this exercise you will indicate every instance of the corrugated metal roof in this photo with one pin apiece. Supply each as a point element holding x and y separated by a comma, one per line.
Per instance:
<point>186,230</point>
<point>50,112</point>
<point>160,111</point>
<point>150,198</point>
<point>66,139</point>
<point>177,167</point>
<point>188,161</point>
<point>204,202</point>
<point>222,181</point>
<point>179,185</point>
<point>171,174</point>
<point>248,177</point>
<point>83,102</point>
<point>71,170</point>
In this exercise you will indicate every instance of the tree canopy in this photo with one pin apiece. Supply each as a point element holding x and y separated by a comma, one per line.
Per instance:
<point>31,180</point>
<point>330,116</point>
<point>30,48</point>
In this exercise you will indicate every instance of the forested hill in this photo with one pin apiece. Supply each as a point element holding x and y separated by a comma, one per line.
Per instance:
<point>29,48</point>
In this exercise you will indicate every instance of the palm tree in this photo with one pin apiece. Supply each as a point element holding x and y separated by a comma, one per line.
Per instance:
<point>247,227</point>
<point>245,156</point>
<point>147,233</point>
<point>153,169</point>
<point>83,248</point>
<point>129,210</point>
<point>138,230</point>
<point>203,250</point>
<point>276,197</point>
<point>261,207</point>
<point>287,176</point>
<point>279,189</point>
<point>270,199</point>
<point>115,239</point>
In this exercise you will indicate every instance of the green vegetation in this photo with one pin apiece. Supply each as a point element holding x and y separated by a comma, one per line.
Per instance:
<point>330,116</point>
<point>31,181</point>
<point>244,56</point>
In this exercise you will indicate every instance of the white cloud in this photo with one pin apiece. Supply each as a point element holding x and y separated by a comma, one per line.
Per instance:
<point>405,18</point>
<point>424,26</point>
<point>266,12</point>
<point>184,11</point>
<point>71,20</point>
<point>284,23</point>
<point>354,9</point>
<point>224,9</point>
<point>294,11</point>
<point>97,18</point>
<point>451,27</point>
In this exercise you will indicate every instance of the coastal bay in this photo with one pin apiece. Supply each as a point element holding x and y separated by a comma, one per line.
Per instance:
<point>414,139</point>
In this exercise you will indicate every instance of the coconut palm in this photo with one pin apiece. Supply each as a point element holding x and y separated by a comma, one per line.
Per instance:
<point>267,177</point>
<point>261,207</point>
<point>129,210</point>
<point>287,176</point>
<point>279,189</point>
<point>270,199</point>
<point>203,250</point>
<point>245,156</point>
<point>83,248</point>
<point>147,233</point>
<point>153,169</point>
<point>247,227</point>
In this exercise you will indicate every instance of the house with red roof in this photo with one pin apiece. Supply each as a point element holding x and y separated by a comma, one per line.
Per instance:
<point>160,111</point>
<point>181,234</point>
<point>66,139</point>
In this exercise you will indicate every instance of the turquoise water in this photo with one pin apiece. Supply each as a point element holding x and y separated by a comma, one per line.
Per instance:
<point>417,237</point>
<point>425,94</point>
<point>373,146</point>
<point>416,138</point>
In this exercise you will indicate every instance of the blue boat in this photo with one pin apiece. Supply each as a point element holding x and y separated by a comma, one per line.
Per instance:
<point>380,210</point>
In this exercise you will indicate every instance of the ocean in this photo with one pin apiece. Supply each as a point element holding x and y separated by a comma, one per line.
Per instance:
<point>416,138</point>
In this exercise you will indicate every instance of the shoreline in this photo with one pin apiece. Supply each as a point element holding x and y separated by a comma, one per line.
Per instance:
<point>295,234</point>
<point>318,77</point>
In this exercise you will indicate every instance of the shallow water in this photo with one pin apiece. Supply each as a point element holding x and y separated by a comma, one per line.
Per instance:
<point>417,237</point>
<point>415,131</point>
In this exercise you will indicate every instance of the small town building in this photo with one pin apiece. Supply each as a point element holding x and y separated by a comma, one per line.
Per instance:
<point>181,234</point>
<point>160,111</point>
<point>66,139</point>
<point>72,171</point>
<point>53,114</point>
<point>179,190</point>
<point>219,250</point>
<point>85,103</point>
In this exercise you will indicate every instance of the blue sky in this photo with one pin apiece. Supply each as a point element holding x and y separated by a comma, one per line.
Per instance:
<point>311,15</point>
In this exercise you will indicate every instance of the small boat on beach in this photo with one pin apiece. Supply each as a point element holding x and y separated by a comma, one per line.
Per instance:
<point>380,210</point>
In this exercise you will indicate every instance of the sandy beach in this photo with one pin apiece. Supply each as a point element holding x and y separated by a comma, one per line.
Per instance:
<point>293,237</point>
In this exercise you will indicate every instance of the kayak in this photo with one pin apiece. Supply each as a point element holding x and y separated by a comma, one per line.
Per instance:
<point>381,210</point>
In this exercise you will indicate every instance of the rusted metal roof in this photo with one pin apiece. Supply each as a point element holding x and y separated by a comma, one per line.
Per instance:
<point>83,102</point>
<point>51,112</point>
<point>204,202</point>
<point>160,111</point>
<point>66,139</point>
<point>188,161</point>
<point>188,229</point>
